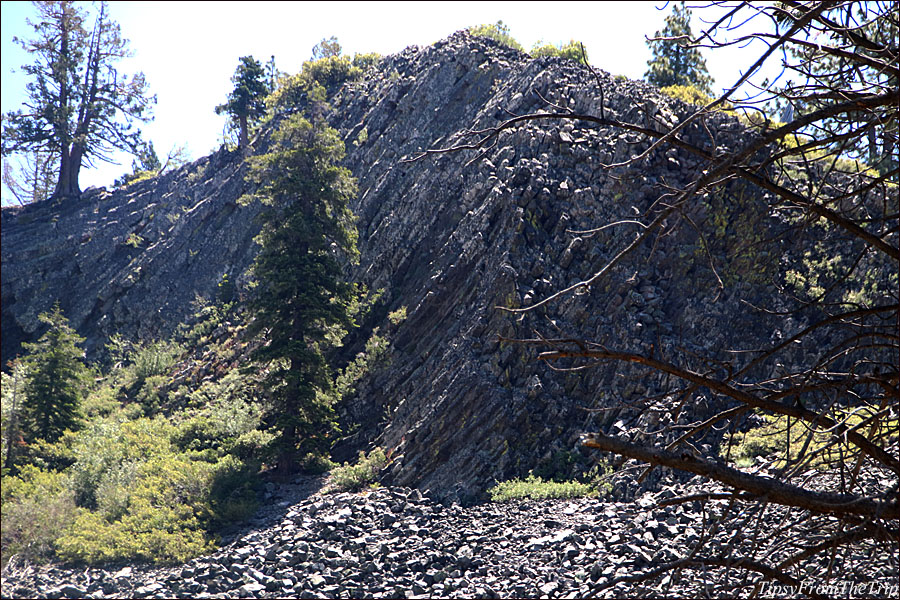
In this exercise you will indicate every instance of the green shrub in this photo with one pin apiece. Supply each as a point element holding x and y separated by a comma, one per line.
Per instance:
<point>317,80</point>
<point>109,443</point>
<point>366,60</point>
<point>161,534</point>
<point>143,499</point>
<point>37,506</point>
<point>499,32</point>
<point>152,394</point>
<point>316,464</point>
<point>398,316</point>
<point>571,51</point>
<point>351,478</point>
<point>376,352</point>
<point>154,359</point>
<point>774,440</point>
<point>537,488</point>
<point>688,94</point>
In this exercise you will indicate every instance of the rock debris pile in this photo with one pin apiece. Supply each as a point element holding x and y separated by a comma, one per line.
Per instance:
<point>396,543</point>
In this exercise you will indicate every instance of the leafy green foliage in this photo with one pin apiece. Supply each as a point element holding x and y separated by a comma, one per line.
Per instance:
<point>571,51</point>
<point>301,302</point>
<point>352,478</point>
<point>154,359</point>
<point>689,94</point>
<point>366,60</point>
<point>397,316</point>
<point>56,382</point>
<point>537,488</point>
<point>499,32</point>
<point>37,507</point>
<point>226,419</point>
<point>315,82</point>
<point>673,62</point>
<point>784,440</point>
<point>318,79</point>
<point>130,493</point>
<point>376,351</point>
<point>13,399</point>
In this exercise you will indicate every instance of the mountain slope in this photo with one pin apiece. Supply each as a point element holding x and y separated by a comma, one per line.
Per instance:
<point>448,238</point>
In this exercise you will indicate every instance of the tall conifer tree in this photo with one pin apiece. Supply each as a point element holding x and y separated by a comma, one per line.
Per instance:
<point>673,62</point>
<point>302,303</point>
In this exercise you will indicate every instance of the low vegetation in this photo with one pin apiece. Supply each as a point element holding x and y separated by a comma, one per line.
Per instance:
<point>352,478</point>
<point>536,488</point>
<point>499,32</point>
<point>782,442</point>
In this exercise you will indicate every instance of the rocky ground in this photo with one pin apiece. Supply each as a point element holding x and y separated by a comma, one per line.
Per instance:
<point>396,543</point>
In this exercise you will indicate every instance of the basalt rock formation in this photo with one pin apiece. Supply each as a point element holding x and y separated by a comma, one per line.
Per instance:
<point>449,238</point>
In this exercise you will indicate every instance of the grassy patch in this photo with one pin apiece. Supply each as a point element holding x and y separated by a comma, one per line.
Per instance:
<point>537,488</point>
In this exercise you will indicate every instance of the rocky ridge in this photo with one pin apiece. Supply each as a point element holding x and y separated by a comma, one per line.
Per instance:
<point>448,238</point>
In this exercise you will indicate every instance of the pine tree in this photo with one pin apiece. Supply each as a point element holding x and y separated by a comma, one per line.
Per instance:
<point>246,102</point>
<point>673,62</point>
<point>301,303</point>
<point>79,107</point>
<point>56,379</point>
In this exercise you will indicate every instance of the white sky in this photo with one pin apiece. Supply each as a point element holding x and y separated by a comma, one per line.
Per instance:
<point>189,50</point>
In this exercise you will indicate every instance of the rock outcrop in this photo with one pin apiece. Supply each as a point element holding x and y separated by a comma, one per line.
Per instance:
<point>449,238</point>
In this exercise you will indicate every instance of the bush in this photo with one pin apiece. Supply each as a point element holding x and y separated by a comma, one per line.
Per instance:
<point>143,499</point>
<point>160,534</point>
<point>366,60</point>
<point>498,32</point>
<point>688,94</point>
<point>317,80</point>
<point>351,478</point>
<point>155,359</point>
<point>780,438</point>
<point>537,488</point>
<point>107,444</point>
<point>37,506</point>
<point>571,51</point>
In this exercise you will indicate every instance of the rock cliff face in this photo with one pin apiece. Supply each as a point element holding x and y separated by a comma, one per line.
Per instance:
<point>447,237</point>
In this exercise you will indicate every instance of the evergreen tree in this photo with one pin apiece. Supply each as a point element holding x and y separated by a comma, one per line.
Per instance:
<point>246,102</point>
<point>76,98</point>
<point>673,62</point>
<point>273,75</point>
<point>301,303</point>
<point>56,379</point>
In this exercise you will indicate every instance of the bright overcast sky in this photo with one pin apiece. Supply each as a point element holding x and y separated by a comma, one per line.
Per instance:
<point>189,50</point>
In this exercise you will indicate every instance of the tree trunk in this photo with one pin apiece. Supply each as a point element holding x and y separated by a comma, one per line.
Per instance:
<point>287,456</point>
<point>69,167</point>
<point>245,137</point>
